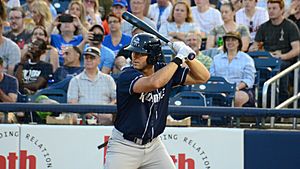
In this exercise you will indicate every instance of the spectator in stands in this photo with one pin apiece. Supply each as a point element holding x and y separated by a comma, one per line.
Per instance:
<point>51,54</point>
<point>237,4</point>
<point>8,85</point>
<point>179,23</point>
<point>216,34</point>
<point>116,39</point>
<point>18,33</point>
<point>8,90</point>
<point>67,36</point>
<point>252,17</point>
<point>160,11</point>
<point>193,39</point>
<point>281,38</point>
<point>107,55</point>
<point>12,3</point>
<point>294,12</point>
<point>205,16</point>
<point>93,15</point>
<point>9,52</point>
<point>77,8</point>
<point>2,10</point>
<point>52,9</point>
<point>137,9</point>
<point>41,14</point>
<point>92,86</point>
<point>27,7</point>
<point>236,67</point>
<point>71,67</point>
<point>118,8</point>
<point>31,72</point>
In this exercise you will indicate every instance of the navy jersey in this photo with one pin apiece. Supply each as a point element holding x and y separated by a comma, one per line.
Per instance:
<point>143,115</point>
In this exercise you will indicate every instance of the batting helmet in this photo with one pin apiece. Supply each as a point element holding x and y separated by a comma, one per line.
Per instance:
<point>147,44</point>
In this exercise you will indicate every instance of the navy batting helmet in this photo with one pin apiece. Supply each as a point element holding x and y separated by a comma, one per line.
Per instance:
<point>147,44</point>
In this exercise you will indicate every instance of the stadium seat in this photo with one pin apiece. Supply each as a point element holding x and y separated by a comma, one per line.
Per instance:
<point>266,66</point>
<point>190,98</point>
<point>61,5</point>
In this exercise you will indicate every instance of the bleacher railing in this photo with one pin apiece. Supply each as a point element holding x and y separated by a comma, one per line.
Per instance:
<point>273,81</point>
<point>182,110</point>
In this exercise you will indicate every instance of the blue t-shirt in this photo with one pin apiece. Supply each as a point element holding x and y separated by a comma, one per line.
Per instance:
<point>125,40</point>
<point>65,71</point>
<point>58,42</point>
<point>9,84</point>
<point>143,115</point>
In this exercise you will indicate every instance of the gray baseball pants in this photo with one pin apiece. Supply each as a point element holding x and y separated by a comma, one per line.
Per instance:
<point>125,154</point>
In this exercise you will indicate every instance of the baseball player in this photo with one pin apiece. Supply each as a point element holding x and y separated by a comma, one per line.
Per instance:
<point>142,103</point>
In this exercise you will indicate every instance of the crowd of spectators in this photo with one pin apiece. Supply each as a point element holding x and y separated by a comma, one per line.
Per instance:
<point>81,51</point>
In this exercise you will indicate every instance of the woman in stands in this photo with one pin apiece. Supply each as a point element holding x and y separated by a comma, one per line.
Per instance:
<point>93,15</point>
<point>216,34</point>
<point>41,14</point>
<point>236,67</point>
<point>77,8</point>
<point>179,22</point>
<point>51,54</point>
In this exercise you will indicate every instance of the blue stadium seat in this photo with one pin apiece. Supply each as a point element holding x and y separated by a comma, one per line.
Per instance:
<point>266,66</point>
<point>61,5</point>
<point>190,98</point>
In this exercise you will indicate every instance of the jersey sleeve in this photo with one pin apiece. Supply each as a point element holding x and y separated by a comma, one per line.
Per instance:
<point>127,79</point>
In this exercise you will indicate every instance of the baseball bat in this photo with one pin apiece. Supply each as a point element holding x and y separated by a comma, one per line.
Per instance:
<point>135,21</point>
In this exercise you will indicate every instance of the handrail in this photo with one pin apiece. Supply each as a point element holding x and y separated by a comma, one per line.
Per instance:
<point>271,81</point>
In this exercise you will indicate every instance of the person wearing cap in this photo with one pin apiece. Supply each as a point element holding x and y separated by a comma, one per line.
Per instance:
<point>92,86</point>
<point>94,39</point>
<point>236,67</point>
<point>33,73</point>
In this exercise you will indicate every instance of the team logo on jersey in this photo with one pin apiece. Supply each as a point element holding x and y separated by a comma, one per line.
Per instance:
<point>153,97</point>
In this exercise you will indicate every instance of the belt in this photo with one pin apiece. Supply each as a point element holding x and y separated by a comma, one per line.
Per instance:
<point>137,140</point>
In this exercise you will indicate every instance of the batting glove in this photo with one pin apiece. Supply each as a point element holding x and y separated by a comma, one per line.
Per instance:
<point>177,45</point>
<point>187,52</point>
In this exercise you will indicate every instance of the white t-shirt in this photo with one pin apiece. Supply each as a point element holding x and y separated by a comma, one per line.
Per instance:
<point>260,16</point>
<point>168,27</point>
<point>207,20</point>
<point>153,13</point>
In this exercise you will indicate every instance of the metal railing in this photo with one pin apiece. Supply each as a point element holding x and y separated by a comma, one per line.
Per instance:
<point>273,82</point>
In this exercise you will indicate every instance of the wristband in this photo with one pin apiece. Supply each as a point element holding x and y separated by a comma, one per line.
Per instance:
<point>177,61</point>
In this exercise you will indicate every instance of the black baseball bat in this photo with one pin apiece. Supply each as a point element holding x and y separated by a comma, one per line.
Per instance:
<point>135,21</point>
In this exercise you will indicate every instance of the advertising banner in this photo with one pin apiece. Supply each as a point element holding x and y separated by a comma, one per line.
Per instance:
<point>9,146</point>
<point>75,147</point>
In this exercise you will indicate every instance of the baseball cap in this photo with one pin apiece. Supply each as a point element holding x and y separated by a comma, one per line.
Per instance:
<point>97,26</point>
<point>92,51</point>
<point>120,2</point>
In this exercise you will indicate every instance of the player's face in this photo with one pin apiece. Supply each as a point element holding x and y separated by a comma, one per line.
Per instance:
<point>139,60</point>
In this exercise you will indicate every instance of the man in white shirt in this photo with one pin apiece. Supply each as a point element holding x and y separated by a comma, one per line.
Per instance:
<point>205,16</point>
<point>251,16</point>
<point>160,11</point>
<point>137,9</point>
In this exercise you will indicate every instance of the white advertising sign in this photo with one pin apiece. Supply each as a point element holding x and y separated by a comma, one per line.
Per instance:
<point>75,147</point>
<point>9,146</point>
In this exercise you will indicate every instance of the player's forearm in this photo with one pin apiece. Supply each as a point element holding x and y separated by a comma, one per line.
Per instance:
<point>198,71</point>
